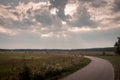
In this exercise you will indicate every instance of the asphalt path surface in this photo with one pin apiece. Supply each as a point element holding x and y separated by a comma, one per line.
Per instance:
<point>97,69</point>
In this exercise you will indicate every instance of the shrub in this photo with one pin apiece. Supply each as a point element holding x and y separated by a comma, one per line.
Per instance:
<point>25,74</point>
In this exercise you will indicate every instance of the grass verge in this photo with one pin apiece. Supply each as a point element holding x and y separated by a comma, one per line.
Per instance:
<point>115,60</point>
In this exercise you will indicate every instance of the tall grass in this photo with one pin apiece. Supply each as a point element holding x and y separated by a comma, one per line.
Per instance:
<point>35,66</point>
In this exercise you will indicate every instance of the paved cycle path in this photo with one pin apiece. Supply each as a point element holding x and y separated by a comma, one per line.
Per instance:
<point>97,69</point>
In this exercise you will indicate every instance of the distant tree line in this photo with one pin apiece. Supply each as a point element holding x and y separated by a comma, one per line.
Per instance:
<point>107,49</point>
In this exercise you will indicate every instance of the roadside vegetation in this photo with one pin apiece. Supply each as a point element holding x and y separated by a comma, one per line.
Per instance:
<point>115,60</point>
<point>35,66</point>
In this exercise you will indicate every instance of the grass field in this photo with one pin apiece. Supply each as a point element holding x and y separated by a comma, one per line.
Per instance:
<point>115,60</point>
<point>35,66</point>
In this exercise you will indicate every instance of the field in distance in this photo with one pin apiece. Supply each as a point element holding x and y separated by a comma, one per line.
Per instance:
<point>35,66</point>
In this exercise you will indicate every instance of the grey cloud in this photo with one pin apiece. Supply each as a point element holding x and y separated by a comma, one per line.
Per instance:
<point>12,2</point>
<point>26,38</point>
<point>99,3</point>
<point>44,18</point>
<point>41,16</point>
<point>56,25</point>
<point>116,20</point>
<point>7,2</point>
<point>86,0</point>
<point>95,3</point>
<point>8,23</point>
<point>60,5</point>
<point>61,14</point>
<point>56,21</point>
<point>25,24</point>
<point>15,13</point>
<point>5,22</point>
<point>47,19</point>
<point>116,5</point>
<point>1,21</point>
<point>16,2</point>
<point>83,19</point>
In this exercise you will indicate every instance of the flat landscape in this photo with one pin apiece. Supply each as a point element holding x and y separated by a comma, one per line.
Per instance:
<point>53,39</point>
<point>35,66</point>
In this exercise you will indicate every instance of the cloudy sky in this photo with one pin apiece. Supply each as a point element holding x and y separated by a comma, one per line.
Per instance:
<point>59,24</point>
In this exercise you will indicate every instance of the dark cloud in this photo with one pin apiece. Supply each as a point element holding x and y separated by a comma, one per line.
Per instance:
<point>47,19</point>
<point>24,24</point>
<point>60,5</point>
<point>99,3</point>
<point>5,22</point>
<point>116,5</point>
<point>12,2</point>
<point>2,21</point>
<point>12,24</point>
<point>95,3</point>
<point>116,20</point>
<point>56,21</point>
<point>83,19</point>
<point>44,18</point>
<point>86,0</point>
<point>16,2</point>
<point>7,2</point>
<point>61,14</point>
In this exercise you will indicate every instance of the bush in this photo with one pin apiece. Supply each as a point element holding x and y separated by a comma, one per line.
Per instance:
<point>25,74</point>
<point>38,77</point>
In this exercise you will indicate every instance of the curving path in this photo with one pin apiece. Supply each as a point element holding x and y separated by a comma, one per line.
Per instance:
<point>98,69</point>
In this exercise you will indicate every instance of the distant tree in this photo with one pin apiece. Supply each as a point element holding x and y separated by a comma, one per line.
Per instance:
<point>117,46</point>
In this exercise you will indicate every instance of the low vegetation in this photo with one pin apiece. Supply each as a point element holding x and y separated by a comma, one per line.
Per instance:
<point>35,66</point>
<point>115,60</point>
